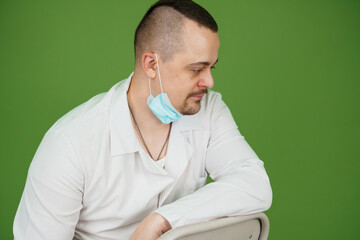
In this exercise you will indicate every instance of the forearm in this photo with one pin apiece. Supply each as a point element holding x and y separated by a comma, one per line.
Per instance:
<point>240,192</point>
<point>151,228</point>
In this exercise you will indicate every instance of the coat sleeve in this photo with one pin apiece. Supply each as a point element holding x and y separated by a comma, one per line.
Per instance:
<point>52,198</point>
<point>241,185</point>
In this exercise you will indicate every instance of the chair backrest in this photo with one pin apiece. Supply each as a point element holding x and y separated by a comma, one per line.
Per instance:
<point>246,227</point>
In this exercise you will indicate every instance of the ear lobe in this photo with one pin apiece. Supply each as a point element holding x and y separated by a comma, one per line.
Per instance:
<point>148,62</point>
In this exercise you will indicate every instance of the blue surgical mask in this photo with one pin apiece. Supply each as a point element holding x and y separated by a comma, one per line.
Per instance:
<point>161,105</point>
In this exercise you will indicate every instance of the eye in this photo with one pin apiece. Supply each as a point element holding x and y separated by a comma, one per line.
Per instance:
<point>213,67</point>
<point>197,70</point>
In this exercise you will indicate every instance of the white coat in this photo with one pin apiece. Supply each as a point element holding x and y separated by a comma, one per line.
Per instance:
<point>91,179</point>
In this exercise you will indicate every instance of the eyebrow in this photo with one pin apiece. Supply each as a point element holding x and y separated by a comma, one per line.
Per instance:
<point>198,64</point>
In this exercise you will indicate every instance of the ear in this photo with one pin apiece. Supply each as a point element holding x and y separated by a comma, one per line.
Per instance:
<point>148,62</point>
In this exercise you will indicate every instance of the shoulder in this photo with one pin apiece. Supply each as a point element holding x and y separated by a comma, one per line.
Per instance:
<point>86,128</point>
<point>212,106</point>
<point>211,102</point>
<point>92,114</point>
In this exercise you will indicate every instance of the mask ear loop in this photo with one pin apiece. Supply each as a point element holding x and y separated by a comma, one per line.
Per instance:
<point>158,68</point>
<point>149,87</point>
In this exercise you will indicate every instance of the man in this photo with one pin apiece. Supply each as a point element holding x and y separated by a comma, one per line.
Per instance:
<point>132,162</point>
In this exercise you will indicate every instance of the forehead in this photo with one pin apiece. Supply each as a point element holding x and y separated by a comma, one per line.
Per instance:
<point>200,44</point>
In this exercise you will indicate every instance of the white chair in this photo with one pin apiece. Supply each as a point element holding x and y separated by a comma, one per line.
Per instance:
<point>254,226</point>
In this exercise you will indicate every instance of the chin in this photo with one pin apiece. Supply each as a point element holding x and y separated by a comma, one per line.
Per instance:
<point>191,109</point>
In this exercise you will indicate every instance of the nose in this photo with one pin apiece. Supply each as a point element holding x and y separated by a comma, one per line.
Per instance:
<point>206,80</point>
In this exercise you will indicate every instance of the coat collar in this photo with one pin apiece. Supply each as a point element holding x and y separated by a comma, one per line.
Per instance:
<point>122,136</point>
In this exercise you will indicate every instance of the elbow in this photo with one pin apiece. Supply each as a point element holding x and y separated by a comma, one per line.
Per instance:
<point>262,196</point>
<point>266,198</point>
<point>267,201</point>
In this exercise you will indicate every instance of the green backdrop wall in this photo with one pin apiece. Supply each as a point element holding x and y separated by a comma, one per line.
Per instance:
<point>289,71</point>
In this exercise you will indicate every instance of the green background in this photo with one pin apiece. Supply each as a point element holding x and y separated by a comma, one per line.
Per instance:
<point>288,70</point>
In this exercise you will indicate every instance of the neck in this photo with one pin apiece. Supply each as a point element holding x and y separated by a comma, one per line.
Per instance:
<point>137,95</point>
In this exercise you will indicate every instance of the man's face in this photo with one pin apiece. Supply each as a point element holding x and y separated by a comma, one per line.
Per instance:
<point>187,76</point>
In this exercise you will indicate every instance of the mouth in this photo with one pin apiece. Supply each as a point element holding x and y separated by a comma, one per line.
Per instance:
<point>199,95</point>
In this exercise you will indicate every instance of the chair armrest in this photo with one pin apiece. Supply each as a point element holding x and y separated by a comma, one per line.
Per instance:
<point>253,226</point>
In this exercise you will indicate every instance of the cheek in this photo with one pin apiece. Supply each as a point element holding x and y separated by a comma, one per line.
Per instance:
<point>179,94</point>
<point>179,86</point>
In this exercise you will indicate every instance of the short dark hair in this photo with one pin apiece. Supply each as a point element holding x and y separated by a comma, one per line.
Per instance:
<point>160,28</point>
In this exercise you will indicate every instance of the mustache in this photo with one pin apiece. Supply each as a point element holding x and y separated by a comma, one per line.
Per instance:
<point>204,91</point>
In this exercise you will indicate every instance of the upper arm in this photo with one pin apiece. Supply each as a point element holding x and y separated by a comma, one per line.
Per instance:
<point>52,198</point>
<point>230,159</point>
